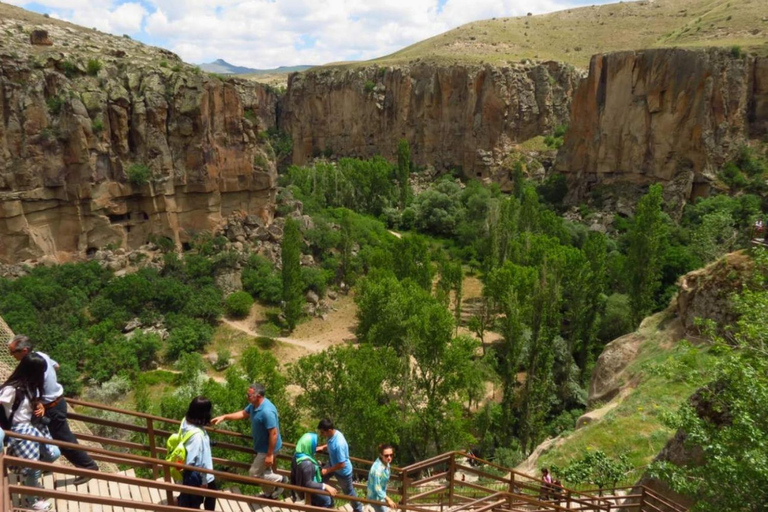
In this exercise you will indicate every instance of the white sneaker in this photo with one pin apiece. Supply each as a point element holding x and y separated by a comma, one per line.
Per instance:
<point>41,505</point>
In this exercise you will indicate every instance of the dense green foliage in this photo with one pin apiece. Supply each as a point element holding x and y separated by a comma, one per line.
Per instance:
<point>727,419</point>
<point>76,312</point>
<point>238,304</point>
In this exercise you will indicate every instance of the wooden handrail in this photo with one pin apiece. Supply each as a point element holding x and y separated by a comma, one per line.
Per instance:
<point>516,481</point>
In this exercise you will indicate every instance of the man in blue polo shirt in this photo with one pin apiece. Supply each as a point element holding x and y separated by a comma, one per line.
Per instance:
<point>338,452</point>
<point>265,429</point>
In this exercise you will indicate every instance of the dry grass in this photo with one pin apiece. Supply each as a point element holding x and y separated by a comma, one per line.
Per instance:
<point>574,35</point>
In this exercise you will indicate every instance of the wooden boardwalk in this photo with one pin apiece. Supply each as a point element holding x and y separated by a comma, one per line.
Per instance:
<point>129,493</point>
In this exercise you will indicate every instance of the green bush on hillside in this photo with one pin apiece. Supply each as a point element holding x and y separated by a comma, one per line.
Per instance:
<point>238,304</point>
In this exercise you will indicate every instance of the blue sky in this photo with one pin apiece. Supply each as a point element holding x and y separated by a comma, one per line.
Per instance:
<point>272,33</point>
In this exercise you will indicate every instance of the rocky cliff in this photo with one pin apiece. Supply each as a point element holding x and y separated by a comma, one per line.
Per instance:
<point>107,141</point>
<point>463,117</point>
<point>672,116</point>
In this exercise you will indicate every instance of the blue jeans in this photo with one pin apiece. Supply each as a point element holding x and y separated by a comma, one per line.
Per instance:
<point>322,500</point>
<point>345,482</point>
<point>32,476</point>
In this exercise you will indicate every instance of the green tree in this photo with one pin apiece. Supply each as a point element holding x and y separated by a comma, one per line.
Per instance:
<point>647,239</point>
<point>726,422</point>
<point>353,384</point>
<point>293,288</point>
<point>404,171</point>
<point>595,468</point>
<point>239,304</point>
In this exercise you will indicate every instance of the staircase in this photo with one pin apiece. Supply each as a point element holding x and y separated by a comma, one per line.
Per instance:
<point>445,483</point>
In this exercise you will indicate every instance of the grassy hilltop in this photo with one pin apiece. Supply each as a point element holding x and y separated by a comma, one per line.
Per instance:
<point>574,35</point>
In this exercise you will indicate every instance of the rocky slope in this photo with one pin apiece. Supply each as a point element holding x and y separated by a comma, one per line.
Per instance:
<point>104,141</point>
<point>672,116</point>
<point>464,117</point>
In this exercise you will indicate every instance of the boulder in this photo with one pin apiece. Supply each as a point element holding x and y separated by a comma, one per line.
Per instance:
<point>40,38</point>
<point>312,298</point>
<point>608,373</point>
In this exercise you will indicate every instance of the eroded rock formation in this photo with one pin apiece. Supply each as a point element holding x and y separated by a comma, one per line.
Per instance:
<point>672,116</point>
<point>455,117</point>
<point>82,120</point>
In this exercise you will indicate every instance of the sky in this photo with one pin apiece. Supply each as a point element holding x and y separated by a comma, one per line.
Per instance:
<point>270,33</point>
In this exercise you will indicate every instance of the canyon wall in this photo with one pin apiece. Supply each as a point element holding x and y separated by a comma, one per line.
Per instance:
<point>104,141</point>
<point>454,117</point>
<point>669,115</point>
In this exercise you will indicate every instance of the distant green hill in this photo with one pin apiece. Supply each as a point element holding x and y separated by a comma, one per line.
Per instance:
<point>574,35</point>
<point>222,67</point>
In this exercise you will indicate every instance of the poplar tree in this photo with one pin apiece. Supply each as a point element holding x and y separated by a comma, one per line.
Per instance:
<point>404,171</point>
<point>645,256</point>
<point>293,299</point>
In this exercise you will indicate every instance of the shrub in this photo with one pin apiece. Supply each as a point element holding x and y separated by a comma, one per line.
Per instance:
<point>94,66</point>
<point>54,104</point>
<point>138,174</point>
<point>617,320</point>
<point>222,359</point>
<point>69,68</point>
<point>369,86</point>
<point>163,63</point>
<point>238,304</point>
<point>736,51</point>
<point>97,126</point>
<point>262,281</point>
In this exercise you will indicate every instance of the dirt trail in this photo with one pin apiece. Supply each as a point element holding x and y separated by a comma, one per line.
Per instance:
<point>241,325</point>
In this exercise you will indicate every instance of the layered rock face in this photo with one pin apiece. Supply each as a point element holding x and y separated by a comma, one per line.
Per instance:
<point>104,141</point>
<point>671,116</point>
<point>453,117</point>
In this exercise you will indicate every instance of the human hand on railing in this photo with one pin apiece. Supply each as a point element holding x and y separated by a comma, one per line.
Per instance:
<point>331,490</point>
<point>390,502</point>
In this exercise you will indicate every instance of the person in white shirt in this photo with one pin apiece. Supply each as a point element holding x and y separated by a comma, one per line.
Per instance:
<point>52,398</point>
<point>19,396</point>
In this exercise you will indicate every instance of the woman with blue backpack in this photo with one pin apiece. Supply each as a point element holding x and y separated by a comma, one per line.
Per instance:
<point>195,440</point>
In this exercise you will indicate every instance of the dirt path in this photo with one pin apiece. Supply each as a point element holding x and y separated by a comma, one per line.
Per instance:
<point>241,325</point>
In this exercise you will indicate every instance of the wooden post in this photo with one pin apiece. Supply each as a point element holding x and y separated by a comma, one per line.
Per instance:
<point>568,499</point>
<point>152,445</point>
<point>404,500</point>
<point>452,477</point>
<point>642,498</point>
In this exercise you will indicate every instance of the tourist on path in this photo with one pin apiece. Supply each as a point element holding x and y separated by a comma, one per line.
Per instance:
<point>341,466</point>
<point>19,398</point>
<point>306,471</point>
<point>265,429</point>
<point>55,407</point>
<point>198,454</point>
<point>378,478</point>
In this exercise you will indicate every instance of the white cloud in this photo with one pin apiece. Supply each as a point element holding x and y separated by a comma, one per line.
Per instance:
<point>270,33</point>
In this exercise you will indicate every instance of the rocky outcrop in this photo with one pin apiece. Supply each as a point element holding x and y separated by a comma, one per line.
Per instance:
<point>705,293</point>
<point>669,115</point>
<point>454,117</point>
<point>104,141</point>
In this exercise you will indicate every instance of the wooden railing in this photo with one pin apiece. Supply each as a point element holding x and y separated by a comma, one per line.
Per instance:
<point>438,481</point>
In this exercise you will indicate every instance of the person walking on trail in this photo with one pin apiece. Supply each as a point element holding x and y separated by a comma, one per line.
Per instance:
<point>198,448</point>
<point>265,429</point>
<point>306,471</point>
<point>55,406</point>
<point>378,478</point>
<point>341,466</point>
<point>18,398</point>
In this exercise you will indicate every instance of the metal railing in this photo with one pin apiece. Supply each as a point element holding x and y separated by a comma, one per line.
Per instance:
<point>441,481</point>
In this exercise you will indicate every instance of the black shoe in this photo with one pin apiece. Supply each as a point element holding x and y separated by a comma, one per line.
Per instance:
<point>80,480</point>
